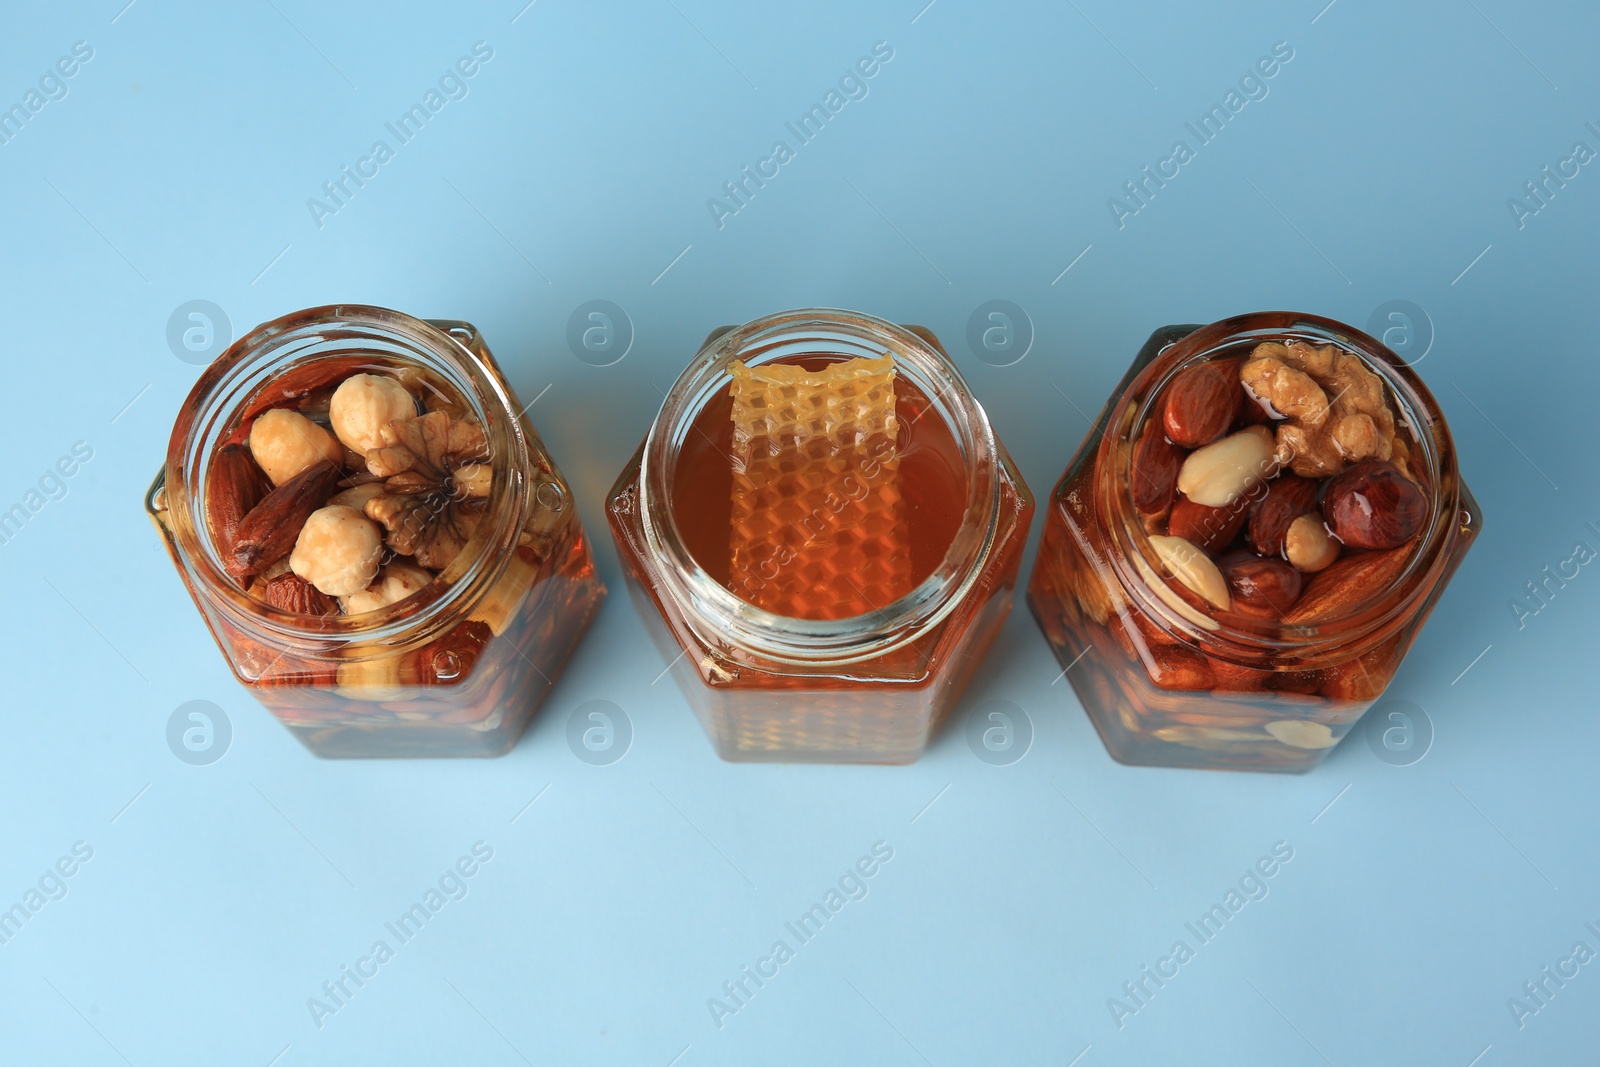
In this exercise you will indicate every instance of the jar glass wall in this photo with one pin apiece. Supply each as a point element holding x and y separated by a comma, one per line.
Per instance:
<point>455,668</point>
<point>915,568</point>
<point>1205,630</point>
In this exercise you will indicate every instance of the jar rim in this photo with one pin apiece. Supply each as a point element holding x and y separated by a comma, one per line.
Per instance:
<point>720,613</point>
<point>236,377</point>
<point>1418,411</point>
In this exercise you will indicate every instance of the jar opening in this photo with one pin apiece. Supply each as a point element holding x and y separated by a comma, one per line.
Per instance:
<point>266,368</point>
<point>944,495</point>
<point>1428,456</point>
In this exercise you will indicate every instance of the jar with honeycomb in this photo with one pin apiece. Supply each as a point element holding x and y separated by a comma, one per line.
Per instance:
<point>822,533</point>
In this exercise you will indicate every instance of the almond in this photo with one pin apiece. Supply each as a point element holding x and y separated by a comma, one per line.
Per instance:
<point>1347,583</point>
<point>1209,529</point>
<point>1373,505</point>
<point>1287,498</point>
<point>1154,471</point>
<point>290,592</point>
<point>1180,669</point>
<point>234,485</point>
<point>1199,404</point>
<point>1224,470</point>
<point>309,387</point>
<point>268,532</point>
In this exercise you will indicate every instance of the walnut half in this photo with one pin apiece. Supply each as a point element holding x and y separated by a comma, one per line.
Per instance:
<point>1332,406</point>
<point>436,482</point>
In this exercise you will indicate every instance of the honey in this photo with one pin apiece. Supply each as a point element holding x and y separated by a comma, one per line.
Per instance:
<point>820,525</point>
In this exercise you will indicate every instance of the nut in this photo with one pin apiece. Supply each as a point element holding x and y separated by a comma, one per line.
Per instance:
<point>290,592</point>
<point>1179,669</point>
<point>504,600</point>
<point>1290,392</point>
<point>1287,498</point>
<point>1319,435</point>
<point>1307,545</point>
<point>1192,568</point>
<point>1300,733</point>
<point>1373,505</point>
<point>427,515</point>
<point>1263,588</point>
<point>1204,736</point>
<point>234,485</point>
<point>1153,471</point>
<point>1209,529</point>
<point>268,532</point>
<point>396,581</point>
<point>472,479</point>
<point>373,679</point>
<point>285,443</point>
<point>1199,404</point>
<point>338,550</point>
<point>357,495</point>
<point>363,405</point>
<point>1224,470</point>
<point>1347,583</point>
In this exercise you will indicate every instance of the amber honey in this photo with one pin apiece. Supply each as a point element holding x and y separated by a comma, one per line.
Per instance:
<point>857,523</point>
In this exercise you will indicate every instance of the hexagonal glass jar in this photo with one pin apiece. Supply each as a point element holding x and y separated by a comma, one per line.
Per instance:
<point>1168,685</point>
<point>869,688</point>
<point>454,670</point>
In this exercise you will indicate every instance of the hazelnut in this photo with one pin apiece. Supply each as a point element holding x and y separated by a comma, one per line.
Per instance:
<point>363,405</point>
<point>1307,545</point>
<point>396,581</point>
<point>285,442</point>
<point>1373,505</point>
<point>338,550</point>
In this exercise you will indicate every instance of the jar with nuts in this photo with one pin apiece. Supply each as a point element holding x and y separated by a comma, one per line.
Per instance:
<point>1248,541</point>
<point>375,535</point>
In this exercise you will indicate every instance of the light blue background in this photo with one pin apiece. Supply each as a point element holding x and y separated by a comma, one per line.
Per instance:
<point>1378,168</point>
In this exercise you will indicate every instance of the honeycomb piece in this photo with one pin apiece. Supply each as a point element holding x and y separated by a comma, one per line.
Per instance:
<point>818,528</point>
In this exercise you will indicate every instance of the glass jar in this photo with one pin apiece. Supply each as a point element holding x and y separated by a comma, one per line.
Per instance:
<point>864,688</point>
<point>1166,678</point>
<point>453,670</point>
